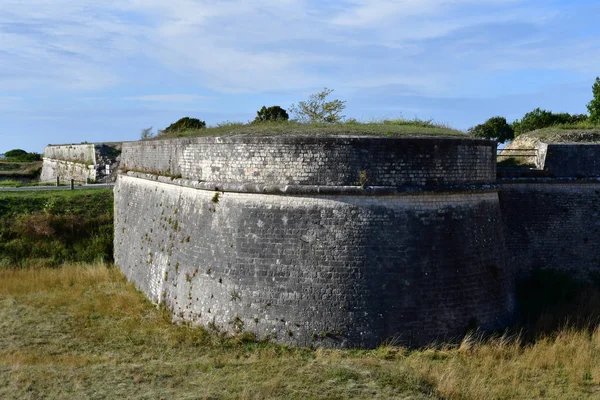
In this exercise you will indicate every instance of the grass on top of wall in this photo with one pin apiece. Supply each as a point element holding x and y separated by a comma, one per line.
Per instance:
<point>385,128</point>
<point>52,227</point>
<point>583,132</point>
<point>82,331</point>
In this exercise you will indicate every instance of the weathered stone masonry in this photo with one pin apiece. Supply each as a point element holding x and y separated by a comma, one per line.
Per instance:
<point>81,162</point>
<point>339,241</point>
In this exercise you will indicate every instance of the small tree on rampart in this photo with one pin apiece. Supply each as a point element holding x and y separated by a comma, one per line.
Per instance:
<point>184,124</point>
<point>495,128</point>
<point>317,109</point>
<point>273,113</point>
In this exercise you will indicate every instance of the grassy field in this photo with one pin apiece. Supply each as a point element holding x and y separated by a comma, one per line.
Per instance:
<point>387,128</point>
<point>81,331</point>
<point>40,227</point>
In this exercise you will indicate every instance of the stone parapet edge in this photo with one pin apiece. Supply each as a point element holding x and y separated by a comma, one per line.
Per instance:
<point>314,189</point>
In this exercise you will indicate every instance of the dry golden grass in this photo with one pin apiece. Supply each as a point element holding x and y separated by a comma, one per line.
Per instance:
<point>81,331</point>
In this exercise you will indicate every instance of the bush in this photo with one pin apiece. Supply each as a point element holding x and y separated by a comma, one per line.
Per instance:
<point>56,227</point>
<point>273,113</point>
<point>316,109</point>
<point>538,119</point>
<point>15,153</point>
<point>495,128</point>
<point>594,105</point>
<point>18,155</point>
<point>185,124</point>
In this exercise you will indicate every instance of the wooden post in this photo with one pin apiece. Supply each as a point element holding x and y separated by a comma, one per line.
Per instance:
<point>58,181</point>
<point>72,184</point>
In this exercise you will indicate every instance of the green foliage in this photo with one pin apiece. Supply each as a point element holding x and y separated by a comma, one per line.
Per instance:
<point>594,105</point>
<point>15,153</point>
<point>185,123</point>
<point>56,227</point>
<point>317,109</point>
<point>18,155</point>
<point>538,119</point>
<point>495,128</point>
<point>273,113</point>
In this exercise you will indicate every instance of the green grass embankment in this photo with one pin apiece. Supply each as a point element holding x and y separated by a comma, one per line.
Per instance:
<point>53,227</point>
<point>387,128</point>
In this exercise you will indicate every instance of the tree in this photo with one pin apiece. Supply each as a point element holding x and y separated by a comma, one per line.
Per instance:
<point>594,105</point>
<point>317,109</point>
<point>146,134</point>
<point>18,155</point>
<point>15,153</point>
<point>184,124</point>
<point>495,128</point>
<point>273,113</point>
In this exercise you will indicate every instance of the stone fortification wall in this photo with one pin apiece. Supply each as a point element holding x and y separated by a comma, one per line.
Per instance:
<point>81,162</point>
<point>77,153</point>
<point>66,170</point>
<point>351,268</point>
<point>569,160</point>
<point>326,161</point>
<point>553,226</point>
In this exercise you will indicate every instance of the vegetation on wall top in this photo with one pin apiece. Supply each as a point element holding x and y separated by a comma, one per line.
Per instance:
<point>497,128</point>
<point>273,113</point>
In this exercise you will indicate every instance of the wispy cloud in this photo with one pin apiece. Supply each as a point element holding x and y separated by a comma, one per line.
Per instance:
<point>237,46</point>
<point>169,98</point>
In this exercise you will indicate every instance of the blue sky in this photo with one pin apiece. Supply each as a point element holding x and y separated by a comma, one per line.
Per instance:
<point>89,70</point>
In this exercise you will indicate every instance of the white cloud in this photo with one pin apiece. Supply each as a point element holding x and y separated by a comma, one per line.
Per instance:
<point>261,45</point>
<point>169,98</point>
<point>363,13</point>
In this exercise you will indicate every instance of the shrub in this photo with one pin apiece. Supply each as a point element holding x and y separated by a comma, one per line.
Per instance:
<point>56,227</point>
<point>18,155</point>
<point>538,119</point>
<point>273,113</point>
<point>15,153</point>
<point>495,128</point>
<point>184,124</point>
<point>317,109</point>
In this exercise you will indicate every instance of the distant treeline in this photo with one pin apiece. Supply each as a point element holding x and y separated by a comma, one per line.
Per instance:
<point>497,128</point>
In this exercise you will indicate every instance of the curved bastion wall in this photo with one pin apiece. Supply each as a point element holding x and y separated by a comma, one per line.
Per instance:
<point>324,241</point>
